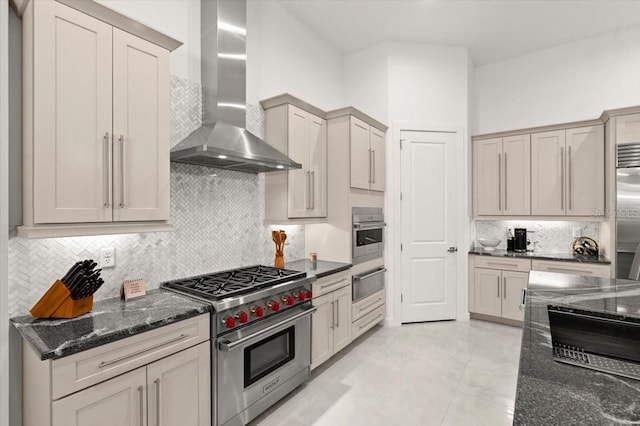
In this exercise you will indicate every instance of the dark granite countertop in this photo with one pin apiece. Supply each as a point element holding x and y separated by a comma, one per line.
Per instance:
<point>110,320</point>
<point>322,268</point>
<point>564,257</point>
<point>552,393</point>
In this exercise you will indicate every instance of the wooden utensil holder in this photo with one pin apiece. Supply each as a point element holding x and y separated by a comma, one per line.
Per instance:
<point>57,303</point>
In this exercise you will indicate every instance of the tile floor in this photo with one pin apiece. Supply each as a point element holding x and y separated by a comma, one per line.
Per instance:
<point>440,373</point>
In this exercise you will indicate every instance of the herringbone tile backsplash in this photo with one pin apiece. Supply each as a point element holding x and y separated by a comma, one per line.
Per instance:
<point>218,218</point>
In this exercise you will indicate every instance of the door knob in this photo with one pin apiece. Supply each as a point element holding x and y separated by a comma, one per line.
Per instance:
<point>452,249</point>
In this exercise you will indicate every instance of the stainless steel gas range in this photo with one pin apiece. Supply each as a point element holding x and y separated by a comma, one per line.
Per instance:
<point>260,335</point>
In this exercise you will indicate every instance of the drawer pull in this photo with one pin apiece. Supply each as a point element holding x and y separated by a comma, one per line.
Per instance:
<point>581,271</point>
<point>512,265</point>
<point>370,304</point>
<point>333,283</point>
<point>371,322</point>
<point>141,351</point>
<point>141,393</point>
<point>157,382</point>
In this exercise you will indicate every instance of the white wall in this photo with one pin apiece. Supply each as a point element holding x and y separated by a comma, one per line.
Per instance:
<point>179,19</point>
<point>4,212</point>
<point>366,81</point>
<point>573,82</point>
<point>283,55</point>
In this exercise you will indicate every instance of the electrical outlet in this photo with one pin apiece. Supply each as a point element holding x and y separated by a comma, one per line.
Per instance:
<point>577,232</point>
<point>107,257</point>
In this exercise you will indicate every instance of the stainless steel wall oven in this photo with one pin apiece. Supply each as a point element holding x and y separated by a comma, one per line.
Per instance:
<point>368,234</point>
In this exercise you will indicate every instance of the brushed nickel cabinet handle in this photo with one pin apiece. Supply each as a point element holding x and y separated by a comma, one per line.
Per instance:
<point>561,178</point>
<point>570,178</point>
<point>370,168</point>
<point>499,180</point>
<point>504,287</point>
<point>373,164</point>
<point>498,287</point>
<point>313,189</point>
<point>364,308</point>
<point>371,322</point>
<point>141,392</point>
<point>107,197</point>
<point>333,315</point>
<point>121,139</point>
<point>506,179</point>
<point>331,284</point>
<point>337,313</point>
<point>141,351</point>
<point>157,382</point>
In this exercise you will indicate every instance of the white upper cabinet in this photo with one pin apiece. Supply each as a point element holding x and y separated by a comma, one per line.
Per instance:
<point>567,172</point>
<point>547,173</point>
<point>95,123</point>
<point>628,128</point>
<point>367,156</point>
<point>302,136</point>
<point>502,178</point>
<point>140,129</point>
<point>72,106</point>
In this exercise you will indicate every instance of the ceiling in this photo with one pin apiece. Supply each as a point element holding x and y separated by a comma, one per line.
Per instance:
<point>493,30</point>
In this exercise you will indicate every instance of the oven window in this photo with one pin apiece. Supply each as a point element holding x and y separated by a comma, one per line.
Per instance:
<point>268,355</point>
<point>369,236</point>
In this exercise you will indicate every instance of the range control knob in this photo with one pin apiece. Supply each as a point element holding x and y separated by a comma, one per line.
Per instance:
<point>309,294</point>
<point>242,317</point>
<point>229,322</point>
<point>300,296</point>
<point>288,300</point>
<point>274,306</point>
<point>257,311</point>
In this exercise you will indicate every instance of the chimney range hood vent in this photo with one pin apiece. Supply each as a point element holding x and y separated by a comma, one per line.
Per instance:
<point>222,141</point>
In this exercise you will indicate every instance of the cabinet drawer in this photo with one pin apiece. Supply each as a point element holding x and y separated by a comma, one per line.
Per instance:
<point>572,268</point>
<point>507,264</point>
<point>366,322</point>
<point>366,305</point>
<point>81,370</point>
<point>330,283</point>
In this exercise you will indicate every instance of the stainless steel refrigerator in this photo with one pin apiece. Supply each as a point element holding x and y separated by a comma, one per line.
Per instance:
<point>627,210</point>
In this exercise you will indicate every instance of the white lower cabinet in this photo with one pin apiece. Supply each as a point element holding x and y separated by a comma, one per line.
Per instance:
<point>331,323</point>
<point>575,268</point>
<point>160,377</point>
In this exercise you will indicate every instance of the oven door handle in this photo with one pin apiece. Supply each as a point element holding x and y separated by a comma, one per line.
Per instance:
<point>369,225</point>
<point>227,346</point>
<point>364,277</point>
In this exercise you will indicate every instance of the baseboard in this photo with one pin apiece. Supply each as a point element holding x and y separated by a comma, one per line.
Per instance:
<point>500,320</point>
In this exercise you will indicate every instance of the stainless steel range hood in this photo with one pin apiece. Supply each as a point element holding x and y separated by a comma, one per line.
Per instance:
<point>223,141</point>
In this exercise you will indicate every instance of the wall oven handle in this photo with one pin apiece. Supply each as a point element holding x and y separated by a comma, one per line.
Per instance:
<point>364,277</point>
<point>229,346</point>
<point>369,225</point>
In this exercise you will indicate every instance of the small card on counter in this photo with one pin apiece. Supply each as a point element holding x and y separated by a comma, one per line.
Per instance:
<point>132,289</point>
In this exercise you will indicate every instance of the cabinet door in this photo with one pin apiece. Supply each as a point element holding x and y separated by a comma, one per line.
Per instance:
<point>140,129</point>
<point>487,159</point>
<point>628,128</point>
<point>317,166</point>
<point>342,328</point>
<point>72,106</point>
<point>585,171</point>
<point>376,142</point>
<point>322,330</point>
<point>512,285</point>
<point>516,180</point>
<point>299,179</point>
<point>487,284</point>
<point>118,401</point>
<point>360,154</point>
<point>548,173</point>
<point>179,388</point>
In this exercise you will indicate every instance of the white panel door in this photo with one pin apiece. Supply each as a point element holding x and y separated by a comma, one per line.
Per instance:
<point>299,179</point>
<point>585,171</point>
<point>179,388</point>
<point>377,145</point>
<point>487,289</point>
<point>342,329</point>
<point>548,173</point>
<point>72,116</point>
<point>360,154</point>
<point>322,329</point>
<point>140,129</point>
<point>516,179</point>
<point>512,285</point>
<point>119,401</point>
<point>428,226</point>
<point>317,166</point>
<point>487,167</point>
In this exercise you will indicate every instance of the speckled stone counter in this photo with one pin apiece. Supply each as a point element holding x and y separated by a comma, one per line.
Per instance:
<point>552,393</point>
<point>110,320</point>
<point>322,268</point>
<point>564,257</point>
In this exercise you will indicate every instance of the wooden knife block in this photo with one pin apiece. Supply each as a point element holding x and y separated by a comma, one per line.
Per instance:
<point>57,303</point>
